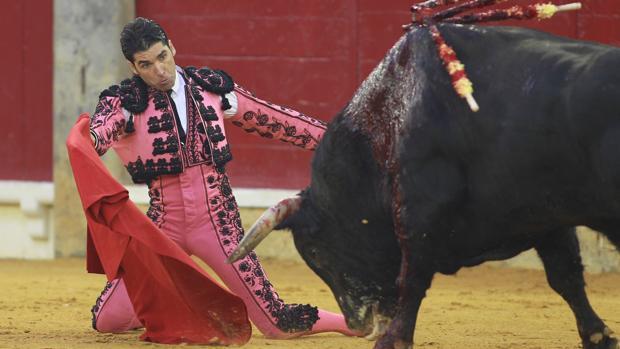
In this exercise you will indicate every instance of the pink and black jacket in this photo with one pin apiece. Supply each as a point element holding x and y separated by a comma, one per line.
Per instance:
<point>148,142</point>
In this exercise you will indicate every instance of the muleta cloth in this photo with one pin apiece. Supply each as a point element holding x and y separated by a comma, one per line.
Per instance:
<point>176,301</point>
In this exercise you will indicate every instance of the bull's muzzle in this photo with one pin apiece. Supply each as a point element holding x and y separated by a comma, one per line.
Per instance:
<point>263,226</point>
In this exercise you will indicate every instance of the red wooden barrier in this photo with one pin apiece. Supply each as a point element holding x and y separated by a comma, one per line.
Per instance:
<point>26,90</point>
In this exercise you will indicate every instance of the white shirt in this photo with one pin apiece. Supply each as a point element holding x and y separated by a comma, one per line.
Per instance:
<point>178,96</point>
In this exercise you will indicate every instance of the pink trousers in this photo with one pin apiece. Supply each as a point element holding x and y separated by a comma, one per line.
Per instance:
<point>197,210</point>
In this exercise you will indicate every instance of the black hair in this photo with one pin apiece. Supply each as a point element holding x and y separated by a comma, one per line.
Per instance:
<point>139,35</point>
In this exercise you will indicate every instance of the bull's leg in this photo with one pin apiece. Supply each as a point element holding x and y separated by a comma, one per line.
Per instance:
<point>419,212</point>
<point>559,252</point>
<point>414,280</point>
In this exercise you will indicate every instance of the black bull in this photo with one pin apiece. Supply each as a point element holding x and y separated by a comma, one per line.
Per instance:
<point>408,182</point>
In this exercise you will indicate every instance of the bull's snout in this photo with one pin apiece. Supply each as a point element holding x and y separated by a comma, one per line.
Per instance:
<point>366,318</point>
<point>358,316</point>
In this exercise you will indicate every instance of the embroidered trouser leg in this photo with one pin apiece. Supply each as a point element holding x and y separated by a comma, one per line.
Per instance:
<point>213,237</point>
<point>198,211</point>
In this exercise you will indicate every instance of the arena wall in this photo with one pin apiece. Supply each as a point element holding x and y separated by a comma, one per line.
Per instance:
<point>309,55</point>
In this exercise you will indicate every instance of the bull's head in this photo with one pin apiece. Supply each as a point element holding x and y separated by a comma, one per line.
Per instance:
<point>342,224</point>
<point>359,266</point>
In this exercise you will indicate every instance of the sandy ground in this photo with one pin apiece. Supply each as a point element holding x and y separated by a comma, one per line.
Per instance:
<point>46,305</point>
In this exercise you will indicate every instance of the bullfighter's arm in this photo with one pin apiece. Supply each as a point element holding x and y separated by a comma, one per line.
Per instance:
<point>107,124</point>
<point>273,121</point>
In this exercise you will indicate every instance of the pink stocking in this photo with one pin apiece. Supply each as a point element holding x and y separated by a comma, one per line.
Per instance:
<point>113,311</point>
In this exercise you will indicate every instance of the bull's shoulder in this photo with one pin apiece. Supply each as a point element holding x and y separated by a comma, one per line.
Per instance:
<point>499,54</point>
<point>515,43</point>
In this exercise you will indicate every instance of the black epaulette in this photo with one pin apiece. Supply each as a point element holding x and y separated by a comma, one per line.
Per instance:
<point>215,81</point>
<point>132,92</point>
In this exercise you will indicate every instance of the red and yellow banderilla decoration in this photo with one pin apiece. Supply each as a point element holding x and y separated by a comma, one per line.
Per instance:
<point>461,83</point>
<point>422,17</point>
<point>537,11</point>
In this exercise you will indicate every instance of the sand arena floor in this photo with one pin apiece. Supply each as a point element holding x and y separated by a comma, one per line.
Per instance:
<point>46,305</point>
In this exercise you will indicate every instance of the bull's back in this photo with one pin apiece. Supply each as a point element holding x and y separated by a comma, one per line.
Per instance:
<point>538,153</point>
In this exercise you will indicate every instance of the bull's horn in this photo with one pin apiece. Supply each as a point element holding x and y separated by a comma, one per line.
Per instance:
<point>263,226</point>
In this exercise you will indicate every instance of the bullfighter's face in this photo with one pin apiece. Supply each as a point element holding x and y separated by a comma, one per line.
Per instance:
<point>156,66</point>
<point>361,275</point>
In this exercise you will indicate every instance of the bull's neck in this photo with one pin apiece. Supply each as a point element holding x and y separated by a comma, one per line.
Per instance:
<point>379,107</point>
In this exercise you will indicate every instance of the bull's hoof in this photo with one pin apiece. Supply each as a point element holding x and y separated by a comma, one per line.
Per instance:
<point>390,342</point>
<point>601,340</point>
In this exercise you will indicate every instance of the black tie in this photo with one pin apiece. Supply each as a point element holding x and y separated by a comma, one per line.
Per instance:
<point>182,136</point>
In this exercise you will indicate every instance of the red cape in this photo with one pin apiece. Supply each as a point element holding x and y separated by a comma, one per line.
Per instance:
<point>173,297</point>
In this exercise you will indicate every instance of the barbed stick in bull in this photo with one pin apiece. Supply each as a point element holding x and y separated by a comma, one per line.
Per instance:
<point>424,17</point>
<point>537,11</point>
